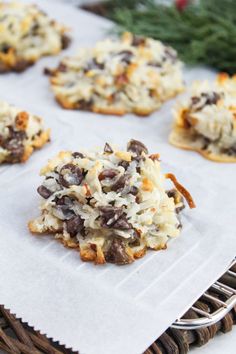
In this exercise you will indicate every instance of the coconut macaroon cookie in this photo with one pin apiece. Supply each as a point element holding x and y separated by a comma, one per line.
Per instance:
<point>20,134</point>
<point>206,121</point>
<point>130,74</point>
<point>111,205</point>
<point>26,34</point>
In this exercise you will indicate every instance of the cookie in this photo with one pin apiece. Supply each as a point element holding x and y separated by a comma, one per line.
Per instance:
<point>127,75</point>
<point>20,134</point>
<point>27,34</point>
<point>110,205</point>
<point>206,121</point>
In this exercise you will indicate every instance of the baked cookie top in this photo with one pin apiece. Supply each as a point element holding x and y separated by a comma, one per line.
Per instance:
<point>26,34</point>
<point>20,134</point>
<point>206,121</point>
<point>110,204</point>
<point>129,74</point>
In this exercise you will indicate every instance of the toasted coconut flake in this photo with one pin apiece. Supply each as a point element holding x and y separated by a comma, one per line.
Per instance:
<point>181,189</point>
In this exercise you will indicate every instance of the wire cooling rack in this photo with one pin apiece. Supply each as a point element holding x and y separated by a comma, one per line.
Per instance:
<point>221,297</point>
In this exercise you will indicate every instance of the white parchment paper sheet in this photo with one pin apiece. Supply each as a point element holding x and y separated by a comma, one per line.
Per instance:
<point>107,309</point>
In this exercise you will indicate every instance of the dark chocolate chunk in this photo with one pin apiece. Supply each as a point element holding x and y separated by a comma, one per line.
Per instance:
<point>122,224</point>
<point>48,71</point>
<point>171,193</point>
<point>134,190</point>
<point>119,185</point>
<point>136,147</point>
<point>44,192</point>
<point>206,142</point>
<point>117,253</point>
<point>70,175</point>
<point>109,215</point>
<point>4,48</point>
<point>21,65</point>
<point>108,149</point>
<point>113,217</point>
<point>109,174</point>
<point>126,56</point>
<point>65,41</point>
<point>211,98</point>
<point>195,100</point>
<point>65,205</point>
<point>74,225</point>
<point>14,144</point>
<point>77,155</point>
<point>84,105</point>
<point>124,164</point>
<point>230,151</point>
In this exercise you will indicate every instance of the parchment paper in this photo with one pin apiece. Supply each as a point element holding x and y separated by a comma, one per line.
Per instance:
<point>107,309</point>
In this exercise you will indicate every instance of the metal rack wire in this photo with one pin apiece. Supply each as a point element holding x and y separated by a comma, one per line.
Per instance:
<point>222,293</point>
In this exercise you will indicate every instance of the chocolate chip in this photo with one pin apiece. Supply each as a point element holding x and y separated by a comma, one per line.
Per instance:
<point>134,190</point>
<point>113,217</point>
<point>230,151</point>
<point>211,98</point>
<point>64,207</point>
<point>122,224</point>
<point>109,215</point>
<point>171,193</point>
<point>120,184</point>
<point>77,155</point>
<point>44,192</point>
<point>206,142</point>
<point>4,48</point>
<point>109,174</point>
<point>14,144</point>
<point>74,225</point>
<point>48,71</point>
<point>178,199</point>
<point>84,105</point>
<point>117,253</point>
<point>124,164</point>
<point>21,65</point>
<point>70,175</point>
<point>195,100</point>
<point>126,56</point>
<point>136,147</point>
<point>65,41</point>
<point>16,149</point>
<point>108,149</point>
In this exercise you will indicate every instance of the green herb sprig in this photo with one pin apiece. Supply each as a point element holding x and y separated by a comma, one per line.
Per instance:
<point>203,33</point>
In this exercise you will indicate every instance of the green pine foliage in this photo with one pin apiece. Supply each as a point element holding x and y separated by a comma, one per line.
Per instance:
<point>203,33</point>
